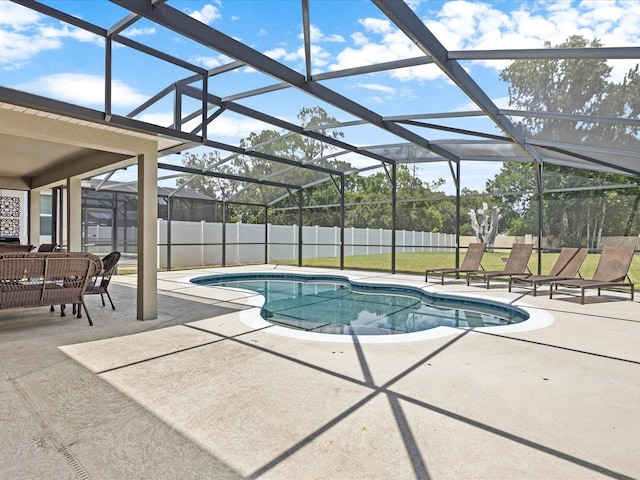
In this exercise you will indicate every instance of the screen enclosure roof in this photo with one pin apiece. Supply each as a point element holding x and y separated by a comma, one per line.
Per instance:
<point>209,87</point>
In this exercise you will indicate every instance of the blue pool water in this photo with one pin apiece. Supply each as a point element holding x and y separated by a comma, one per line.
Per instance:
<point>334,304</point>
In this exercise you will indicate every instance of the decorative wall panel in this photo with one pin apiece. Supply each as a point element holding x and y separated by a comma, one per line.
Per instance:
<point>9,216</point>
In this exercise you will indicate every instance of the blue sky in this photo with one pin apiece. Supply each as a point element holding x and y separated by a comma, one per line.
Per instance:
<point>46,57</point>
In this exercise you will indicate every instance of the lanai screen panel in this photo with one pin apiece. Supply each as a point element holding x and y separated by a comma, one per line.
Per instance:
<point>376,71</point>
<point>603,160</point>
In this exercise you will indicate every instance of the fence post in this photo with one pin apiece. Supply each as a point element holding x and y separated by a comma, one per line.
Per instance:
<point>368,240</point>
<point>268,244</point>
<point>238,224</point>
<point>203,225</point>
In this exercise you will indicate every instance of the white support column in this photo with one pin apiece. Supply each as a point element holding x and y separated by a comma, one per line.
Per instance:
<point>74,214</point>
<point>147,298</point>
<point>34,217</point>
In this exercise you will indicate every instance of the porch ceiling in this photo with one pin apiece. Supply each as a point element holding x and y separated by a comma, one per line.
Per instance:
<point>31,155</point>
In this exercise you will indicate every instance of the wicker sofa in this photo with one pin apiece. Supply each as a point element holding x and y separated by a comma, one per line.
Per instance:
<point>14,248</point>
<point>46,279</point>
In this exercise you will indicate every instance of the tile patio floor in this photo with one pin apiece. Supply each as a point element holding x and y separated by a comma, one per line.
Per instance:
<point>198,394</point>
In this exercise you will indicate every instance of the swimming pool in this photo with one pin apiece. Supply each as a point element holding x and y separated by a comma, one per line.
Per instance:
<point>336,305</point>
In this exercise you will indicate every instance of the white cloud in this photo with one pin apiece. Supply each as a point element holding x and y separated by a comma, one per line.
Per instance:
<point>83,89</point>
<point>226,128</point>
<point>206,62</point>
<point>65,31</point>
<point>136,32</point>
<point>163,119</point>
<point>16,49</point>
<point>466,25</point>
<point>235,128</point>
<point>210,62</point>
<point>334,38</point>
<point>462,25</point>
<point>319,56</point>
<point>377,87</point>
<point>316,35</point>
<point>376,25</point>
<point>501,102</point>
<point>17,17</point>
<point>24,34</point>
<point>276,53</point>
<point>359,38</point>
<point>207,14</point>
<point>393,45</point>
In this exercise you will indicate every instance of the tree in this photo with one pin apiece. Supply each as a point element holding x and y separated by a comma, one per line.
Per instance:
<point>368,197</point>
<point>270,142</point>
<point>214,187</point>
<point>571,86</point>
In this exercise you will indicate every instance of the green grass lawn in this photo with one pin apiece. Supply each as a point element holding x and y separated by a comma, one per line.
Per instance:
<point>419,262</point>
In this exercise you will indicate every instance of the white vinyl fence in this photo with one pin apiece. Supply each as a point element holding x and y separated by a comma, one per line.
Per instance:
<point>200,243</point>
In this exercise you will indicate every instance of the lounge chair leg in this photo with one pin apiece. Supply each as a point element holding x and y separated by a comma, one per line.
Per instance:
<point>582,297</point>
<point>632,292</point>
<point>535,289</point>
<point>62,307</point>
<point>102,298</point>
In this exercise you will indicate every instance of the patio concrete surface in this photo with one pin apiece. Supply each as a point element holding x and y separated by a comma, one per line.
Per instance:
<point>198,393</point>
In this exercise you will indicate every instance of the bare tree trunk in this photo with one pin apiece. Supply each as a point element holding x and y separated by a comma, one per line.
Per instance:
<point>604,216</point>
<point>588,225</point>
<point>486,233</point>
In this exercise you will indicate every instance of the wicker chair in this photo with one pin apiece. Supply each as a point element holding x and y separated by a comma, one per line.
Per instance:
<point>99,285</point>
<point>47,247</point>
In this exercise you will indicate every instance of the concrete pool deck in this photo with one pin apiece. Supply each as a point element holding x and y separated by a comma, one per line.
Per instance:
<point>199,394</point>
